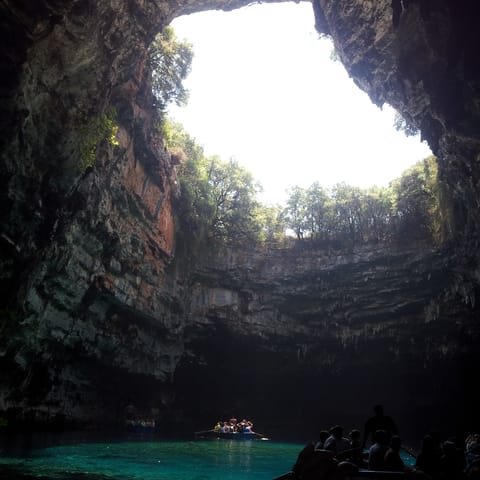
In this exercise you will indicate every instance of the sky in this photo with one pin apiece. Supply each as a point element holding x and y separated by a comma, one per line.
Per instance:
<point>265,91</point>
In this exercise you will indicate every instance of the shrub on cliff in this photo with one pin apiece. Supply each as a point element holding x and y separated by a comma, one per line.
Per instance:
<point>170,61</point>
<point>217,198</point>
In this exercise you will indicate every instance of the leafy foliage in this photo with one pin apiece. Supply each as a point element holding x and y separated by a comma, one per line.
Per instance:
<point>410,208</point>
<point>272,221</point>
<point>218,198</point>
<point>401,124</point>
<point>170,61</point>
<point>218,203</point>
<point>417,203</point>
<point>296,211</point>
<point>91,133</point>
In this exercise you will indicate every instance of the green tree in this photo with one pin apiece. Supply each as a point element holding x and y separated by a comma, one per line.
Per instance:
<point>401,124</point>
<point>217,199</point>
<point>416,206</point>
<point>377,214</point>
<point>232,198</point>
<point>348,211</point>
<point>296,211</point>
<point>317,211</point>
<point>272,221</point>
<point>170,61</point>
<point>192,205</point>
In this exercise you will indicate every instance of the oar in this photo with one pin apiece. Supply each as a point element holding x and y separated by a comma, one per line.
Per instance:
<point>263,437</point>
<point>204,431</point>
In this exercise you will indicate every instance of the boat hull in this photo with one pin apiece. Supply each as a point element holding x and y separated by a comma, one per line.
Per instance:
<point>228,436</point>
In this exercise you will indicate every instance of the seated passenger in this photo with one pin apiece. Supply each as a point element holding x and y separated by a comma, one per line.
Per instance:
<point>376,453</point>
<point>356,456</point>
<point>336,442</point>
<point>226,428</point>
<point>452,461</point>
<point>393,461</point>
<point>428,459</point>
<point>324,434</point>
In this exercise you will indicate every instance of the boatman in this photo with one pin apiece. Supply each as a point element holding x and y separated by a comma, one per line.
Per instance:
<point>379,422</point>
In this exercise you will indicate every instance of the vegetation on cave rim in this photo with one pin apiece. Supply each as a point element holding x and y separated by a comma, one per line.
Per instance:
<point>218,202</point>
<point>218,199</point>
<point>170,61</point>
<point>99,128</point>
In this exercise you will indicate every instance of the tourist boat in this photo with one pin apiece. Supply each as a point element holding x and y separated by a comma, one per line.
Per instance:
<point>215,434</point>
<point>141,426</point>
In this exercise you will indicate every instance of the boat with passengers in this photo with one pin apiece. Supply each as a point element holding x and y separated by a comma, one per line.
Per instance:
<point>232,430</point>
<point>212,434</point>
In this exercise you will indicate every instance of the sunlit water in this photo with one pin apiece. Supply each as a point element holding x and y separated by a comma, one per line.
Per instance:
<point>159,460</point>
<point>154,460</point>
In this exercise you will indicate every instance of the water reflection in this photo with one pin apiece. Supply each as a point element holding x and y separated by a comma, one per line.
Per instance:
<point>153,460</point>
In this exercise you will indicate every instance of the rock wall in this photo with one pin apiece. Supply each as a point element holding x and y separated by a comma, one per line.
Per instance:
<point>308,337</point>
<point>86,247</point>
<point>101,316</point>
<point>419,57</point>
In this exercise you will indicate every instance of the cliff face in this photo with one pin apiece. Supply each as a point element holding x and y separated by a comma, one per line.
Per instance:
<point>86,247</point>
<point>99,314</point>
<point>307,337</point>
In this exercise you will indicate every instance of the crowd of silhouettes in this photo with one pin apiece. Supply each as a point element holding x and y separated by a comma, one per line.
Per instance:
<point>335,456</point>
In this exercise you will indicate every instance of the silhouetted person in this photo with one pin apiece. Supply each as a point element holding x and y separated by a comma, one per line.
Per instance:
<point>376,453</point>
<point>356,456</point>
<point>392,460</point>
<point>428,459</point>
<point>451,463</point>
<point>379,421</point>
<point>315,464</point>
<point>336,442</point>
<point>324,434</point>
<point>472,456</point>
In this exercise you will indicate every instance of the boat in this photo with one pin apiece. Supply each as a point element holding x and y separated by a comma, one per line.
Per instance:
<point>141,426</point>
<point>215,434</point>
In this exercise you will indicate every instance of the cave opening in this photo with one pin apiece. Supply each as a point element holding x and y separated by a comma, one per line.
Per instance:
<point>253,126</point>
<point>267,89</point>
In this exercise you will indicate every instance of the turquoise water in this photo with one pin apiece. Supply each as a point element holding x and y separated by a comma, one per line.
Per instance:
<point>162,460</point>
<point>158,460</point>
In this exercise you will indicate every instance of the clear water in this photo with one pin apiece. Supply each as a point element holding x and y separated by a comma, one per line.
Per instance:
<point>158,460</point>
<point>155,460</point>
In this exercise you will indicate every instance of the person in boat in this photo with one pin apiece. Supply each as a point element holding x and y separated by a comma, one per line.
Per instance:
<point>452,464</point>
<point>217,427</point>
<point>226,428</point>
<point>313,464</point>
<point>376,453</point>
<point>472,455</point>
<point>393,461</point>
<point>356,456</point>
<point>248,428</point>
<point>336,442</point>
<point>324,434</point>
<point>233,425</point>
<point>242,426</point>
<point>379,421</point>
<point>428,459</point>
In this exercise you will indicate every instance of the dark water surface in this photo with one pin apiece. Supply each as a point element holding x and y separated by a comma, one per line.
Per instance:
<point>151,460</point>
